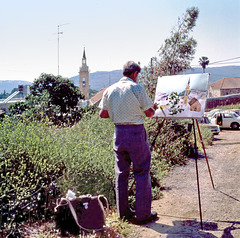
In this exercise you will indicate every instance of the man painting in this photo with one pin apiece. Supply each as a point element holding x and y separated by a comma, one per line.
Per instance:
<point>123,103</point>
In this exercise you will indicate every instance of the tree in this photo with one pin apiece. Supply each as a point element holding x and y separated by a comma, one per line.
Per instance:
<point>203,61</point>
<point>60,91</point>
<point>177,52</point>
<point>175,55</point>
<point>18,108</point>
<point>4,95</point>
<point>51,96</point>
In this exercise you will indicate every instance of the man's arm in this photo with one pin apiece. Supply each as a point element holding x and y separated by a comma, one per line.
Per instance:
<point>151,111</point>
<point>103,113</point>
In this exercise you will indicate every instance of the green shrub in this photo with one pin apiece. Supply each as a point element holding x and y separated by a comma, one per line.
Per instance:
<point>35,156</point>
<point>89,157</point>
<point>28,166</point>
<point>232,106</point>
<point>169,140</point>
<point>207,136</point>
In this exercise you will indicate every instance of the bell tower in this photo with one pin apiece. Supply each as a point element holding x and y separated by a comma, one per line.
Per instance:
<point>84,77</point>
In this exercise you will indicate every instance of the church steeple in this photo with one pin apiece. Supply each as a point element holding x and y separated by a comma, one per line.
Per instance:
<point>84,60</point>
<point>84,77</point>
<point>84,67</point>
<point>186,93</point>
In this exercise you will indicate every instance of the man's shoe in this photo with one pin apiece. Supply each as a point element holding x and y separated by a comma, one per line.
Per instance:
<point>151,218</point>
<point>129,215</point>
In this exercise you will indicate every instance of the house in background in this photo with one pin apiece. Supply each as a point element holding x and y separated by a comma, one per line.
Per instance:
<point>224,86</point>
<point>95,100</point>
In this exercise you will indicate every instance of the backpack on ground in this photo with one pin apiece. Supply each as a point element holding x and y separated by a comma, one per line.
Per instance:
<point>85,212</point>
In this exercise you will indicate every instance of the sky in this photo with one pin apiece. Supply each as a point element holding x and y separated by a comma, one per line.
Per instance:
<point>49,36</point>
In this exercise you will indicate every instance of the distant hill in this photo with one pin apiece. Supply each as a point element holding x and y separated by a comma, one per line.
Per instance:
<point>102,79</point>
<point>217,73</point>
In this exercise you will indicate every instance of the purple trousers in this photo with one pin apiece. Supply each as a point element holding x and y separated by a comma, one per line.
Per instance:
<point>130,145</point>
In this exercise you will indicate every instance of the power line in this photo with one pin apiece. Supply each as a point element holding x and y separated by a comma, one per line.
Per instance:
<point>224,60</point>
<point>236,62</point>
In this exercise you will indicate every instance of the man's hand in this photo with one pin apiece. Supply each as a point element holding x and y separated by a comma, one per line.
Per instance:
<point>103,113</point>
<point>151,111</point>
<point>155,106</point>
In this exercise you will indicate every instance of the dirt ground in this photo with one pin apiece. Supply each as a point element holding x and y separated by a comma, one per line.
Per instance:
<point>178,210</point>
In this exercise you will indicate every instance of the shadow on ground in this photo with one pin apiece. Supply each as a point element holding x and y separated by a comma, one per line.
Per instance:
<point>192,229</point>
<point>185,228</point>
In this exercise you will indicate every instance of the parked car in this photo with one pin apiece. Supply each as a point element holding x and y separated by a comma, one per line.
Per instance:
<point>237,111</point>
<point>226,119</point>
<point>210,113</point>
<point>215,129</point>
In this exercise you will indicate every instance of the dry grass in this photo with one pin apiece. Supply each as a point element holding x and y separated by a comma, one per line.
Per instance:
<point>115,228</point>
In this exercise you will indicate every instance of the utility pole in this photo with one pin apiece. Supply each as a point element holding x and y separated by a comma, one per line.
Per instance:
<point>58,33</point>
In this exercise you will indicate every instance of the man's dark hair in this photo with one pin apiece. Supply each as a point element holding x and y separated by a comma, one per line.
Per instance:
<point>130,67</point>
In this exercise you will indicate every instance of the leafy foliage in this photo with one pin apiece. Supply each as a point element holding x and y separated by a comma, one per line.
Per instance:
<point>90,161</point>
<point>4,95</point>
<point>52,98</point>
<point>175,55</point>
<point>232,106</point>
<point>171,141</point>
<point>57,90</point>
<point>204,61</point>
<point>37,161</point>
<point>18,108</point>
<point>177,52</point>
<point>29,164</point>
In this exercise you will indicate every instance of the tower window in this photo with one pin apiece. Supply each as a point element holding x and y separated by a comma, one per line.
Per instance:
<point>84,83</point>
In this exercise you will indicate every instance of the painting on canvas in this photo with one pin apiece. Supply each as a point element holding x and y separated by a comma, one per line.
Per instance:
<point>181,96</point>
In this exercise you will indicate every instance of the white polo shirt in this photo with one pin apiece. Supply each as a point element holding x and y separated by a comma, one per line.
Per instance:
<point>125,101</point>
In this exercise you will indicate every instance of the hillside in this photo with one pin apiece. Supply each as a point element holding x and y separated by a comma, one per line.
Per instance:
<point>102,79</point>
<point>217,73</point>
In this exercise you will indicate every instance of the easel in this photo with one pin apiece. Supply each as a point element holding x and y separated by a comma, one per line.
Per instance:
<point>161,97</point>
<point>196,158</point>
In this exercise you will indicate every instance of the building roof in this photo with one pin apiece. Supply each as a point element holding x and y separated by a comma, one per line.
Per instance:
<point>96,98</point>
<point>226,83</point>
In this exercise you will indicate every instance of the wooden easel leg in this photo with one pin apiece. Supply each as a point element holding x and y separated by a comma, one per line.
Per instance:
<point>198,186</point>
<point>200,136</point>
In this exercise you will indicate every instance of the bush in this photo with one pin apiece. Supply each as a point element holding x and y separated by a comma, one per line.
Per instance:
<point>37,160</point>
<point>169,140</point>
<point>89,157</point>
<point>28,167</point>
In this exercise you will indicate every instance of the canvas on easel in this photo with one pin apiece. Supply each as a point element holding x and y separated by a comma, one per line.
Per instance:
<point>181,96</point>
